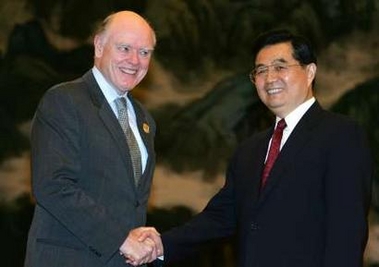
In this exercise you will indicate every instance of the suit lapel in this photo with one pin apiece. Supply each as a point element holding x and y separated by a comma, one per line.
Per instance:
<point>257,164</point>
<point>299,137</point>
<point>110,121</point>
<point>142,124</point>
<point>145,133</point>
<point>247,172</point>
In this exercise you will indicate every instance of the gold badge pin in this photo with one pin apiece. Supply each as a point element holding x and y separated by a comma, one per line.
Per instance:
<point>146,128</point>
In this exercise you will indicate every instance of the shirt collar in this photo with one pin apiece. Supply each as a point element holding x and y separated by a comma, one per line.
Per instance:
<point>108,90</point>
<point>294,117</point>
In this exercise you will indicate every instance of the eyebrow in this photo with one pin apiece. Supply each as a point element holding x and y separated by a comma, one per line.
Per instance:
<point>277,60</point>
<point>133,47</point>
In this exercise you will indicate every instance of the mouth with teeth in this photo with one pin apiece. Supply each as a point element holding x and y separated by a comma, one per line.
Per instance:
<point>274,91</point>
<point>128,71</point>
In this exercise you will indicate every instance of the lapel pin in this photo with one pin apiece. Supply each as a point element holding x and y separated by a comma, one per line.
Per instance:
<point>146,128</point>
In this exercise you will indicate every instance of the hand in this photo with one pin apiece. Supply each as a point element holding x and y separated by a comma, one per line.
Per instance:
<point>150,233</point>
<point>137,252</point>
<point>142,245</point>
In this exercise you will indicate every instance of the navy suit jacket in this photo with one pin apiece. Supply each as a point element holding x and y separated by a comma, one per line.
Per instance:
<point>312,211</point>
<point>82,178</point>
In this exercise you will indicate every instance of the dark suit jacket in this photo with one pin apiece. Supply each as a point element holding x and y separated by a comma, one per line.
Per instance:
<point>312,211</point>
<point>82,178</point>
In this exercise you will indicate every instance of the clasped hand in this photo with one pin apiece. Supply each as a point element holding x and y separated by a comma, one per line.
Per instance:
<point>143,245</point>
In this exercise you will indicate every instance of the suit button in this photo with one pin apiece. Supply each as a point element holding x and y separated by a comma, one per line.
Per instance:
<point>254,226</point>
<point>97,253</point>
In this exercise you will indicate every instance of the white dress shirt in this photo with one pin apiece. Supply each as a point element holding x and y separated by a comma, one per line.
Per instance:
<point>291,120</point>
<point>111,95</point>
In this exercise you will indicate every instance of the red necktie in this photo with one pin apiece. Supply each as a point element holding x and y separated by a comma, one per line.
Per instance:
<point>274,150</point>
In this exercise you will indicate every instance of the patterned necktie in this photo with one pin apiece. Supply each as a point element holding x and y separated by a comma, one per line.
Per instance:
<point>274,150</point>
<point>135,153</point>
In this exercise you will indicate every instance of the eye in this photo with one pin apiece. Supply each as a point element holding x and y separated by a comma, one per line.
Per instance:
<point>279,68</point>
<point>145,52</point>
<point>123,48</point>
<point>261,71</point>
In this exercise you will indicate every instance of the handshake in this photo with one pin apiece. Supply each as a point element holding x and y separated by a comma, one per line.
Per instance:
<point>143,245</point>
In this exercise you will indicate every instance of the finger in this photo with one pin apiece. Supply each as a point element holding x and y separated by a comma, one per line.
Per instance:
<point>158,246</point>
<point>132,262</point>
<point>152,230</point>
<point>149,233</point>
<point>141,252</point>
<point>151,249</point>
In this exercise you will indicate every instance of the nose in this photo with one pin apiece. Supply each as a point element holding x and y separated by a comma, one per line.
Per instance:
<point>133,57</point>
<point>272,74</point>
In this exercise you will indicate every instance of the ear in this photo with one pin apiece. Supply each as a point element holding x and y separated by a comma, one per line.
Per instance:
<point>98,45</point>
<point>311,72</point>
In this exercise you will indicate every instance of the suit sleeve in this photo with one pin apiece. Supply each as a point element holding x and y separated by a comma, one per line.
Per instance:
<point>56,165</point>
<point>348,194</point>
<point>216,221</point>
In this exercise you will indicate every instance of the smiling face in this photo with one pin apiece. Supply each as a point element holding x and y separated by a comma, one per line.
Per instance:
<point>123,50</point>
<point>284,83</point>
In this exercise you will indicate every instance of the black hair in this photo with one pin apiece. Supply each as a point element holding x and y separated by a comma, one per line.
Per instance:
<point>303,51</point>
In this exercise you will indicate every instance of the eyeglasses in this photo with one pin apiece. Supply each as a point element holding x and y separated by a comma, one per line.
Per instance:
<point>261,72</point>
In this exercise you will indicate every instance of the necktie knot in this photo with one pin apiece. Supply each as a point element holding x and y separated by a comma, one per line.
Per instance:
<point>281,125</point>
<point>121,104</point>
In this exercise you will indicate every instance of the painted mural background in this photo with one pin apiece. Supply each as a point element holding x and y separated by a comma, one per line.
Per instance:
<point>197,89</point>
